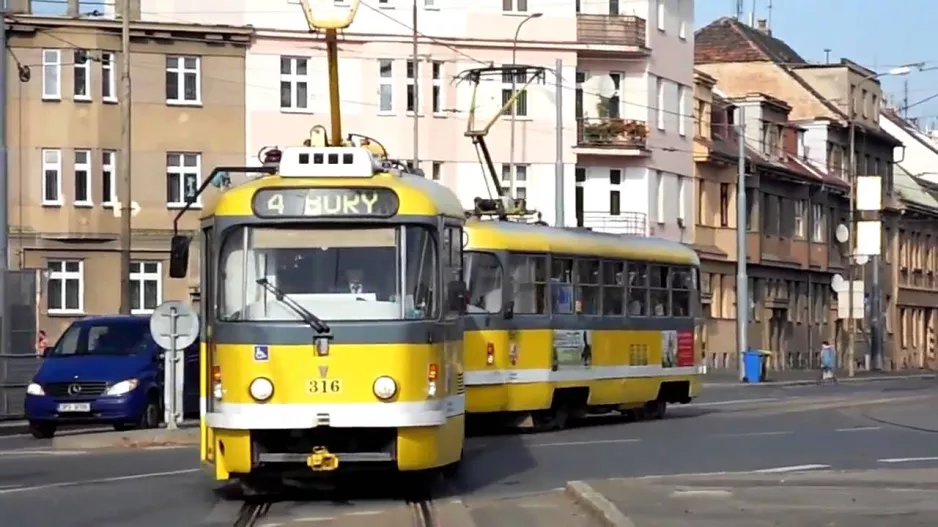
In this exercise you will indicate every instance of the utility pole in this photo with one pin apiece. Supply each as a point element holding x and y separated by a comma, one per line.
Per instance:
<point>905,98</point>
<point>851,240</point>
<point>126,194</point>
<point>742,278</point>
<point>5,327</point>
<point>416,80</point>
<point>514,105</point>
<point>559,215</point>
<point>827,55</point>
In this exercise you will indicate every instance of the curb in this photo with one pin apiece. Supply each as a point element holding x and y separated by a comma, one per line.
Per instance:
<point>809,382</point>
<point>597,505</point>
<point>136,439</point>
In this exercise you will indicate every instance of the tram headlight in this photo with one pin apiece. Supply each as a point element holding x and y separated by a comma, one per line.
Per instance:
<point>385,388</point>
<point>261,389</point>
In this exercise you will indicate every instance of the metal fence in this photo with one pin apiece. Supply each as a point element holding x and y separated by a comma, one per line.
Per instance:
<point>19,362</point>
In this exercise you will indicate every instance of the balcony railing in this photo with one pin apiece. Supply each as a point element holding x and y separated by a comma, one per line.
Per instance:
<point>611,133</point>
<point>611,30</point>
<point>635,223</point>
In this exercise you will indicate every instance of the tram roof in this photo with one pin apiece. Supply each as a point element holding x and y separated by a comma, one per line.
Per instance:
<point>418,196</point>
<point>525,237</point>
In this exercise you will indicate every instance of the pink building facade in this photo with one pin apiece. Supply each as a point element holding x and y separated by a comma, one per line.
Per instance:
<point>626,95</point>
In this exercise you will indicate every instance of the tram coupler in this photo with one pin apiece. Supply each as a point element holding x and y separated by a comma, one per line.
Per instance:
<point>321,460</point>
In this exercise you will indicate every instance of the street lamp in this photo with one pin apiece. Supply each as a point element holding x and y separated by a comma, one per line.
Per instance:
<point>876,348</point>
<point>514,105</point>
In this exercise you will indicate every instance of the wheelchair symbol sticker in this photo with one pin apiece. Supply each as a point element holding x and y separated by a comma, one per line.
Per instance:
<point>261,353</point>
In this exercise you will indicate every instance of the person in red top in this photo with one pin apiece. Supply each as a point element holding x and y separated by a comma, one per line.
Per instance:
<point>42,344</point>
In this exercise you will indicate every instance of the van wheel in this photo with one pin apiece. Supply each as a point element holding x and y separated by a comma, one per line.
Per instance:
<point>41,430</point>
<point>150,418</point>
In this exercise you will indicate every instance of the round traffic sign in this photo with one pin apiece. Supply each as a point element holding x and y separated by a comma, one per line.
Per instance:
<point>186,326</point>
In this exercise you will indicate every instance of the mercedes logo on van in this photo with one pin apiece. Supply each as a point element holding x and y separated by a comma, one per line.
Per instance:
<point>74,389</point>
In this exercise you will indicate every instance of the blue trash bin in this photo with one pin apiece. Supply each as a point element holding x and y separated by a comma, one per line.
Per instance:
<point>752,366</point>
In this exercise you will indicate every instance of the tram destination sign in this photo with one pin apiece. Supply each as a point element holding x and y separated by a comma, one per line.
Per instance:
<point>325,203</point>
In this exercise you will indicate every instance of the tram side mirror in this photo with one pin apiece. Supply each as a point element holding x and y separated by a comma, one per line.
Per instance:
<point>458,296</point>
<point>179,256</point>
<point>508,310</point>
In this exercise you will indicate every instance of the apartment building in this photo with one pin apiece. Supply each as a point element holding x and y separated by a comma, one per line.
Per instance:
<point>618,147</point>
<point>64,147</point>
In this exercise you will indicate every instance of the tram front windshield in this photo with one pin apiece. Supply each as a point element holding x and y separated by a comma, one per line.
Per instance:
<point>384,273</point>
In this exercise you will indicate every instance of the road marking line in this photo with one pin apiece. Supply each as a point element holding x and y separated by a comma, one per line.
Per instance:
<point>859,429</point>
<point>753,434</point>
<point>42,452</point>
<point>711,493</point>
<point>735,401</point>
<point>793,468</point>
<point>314,519</point>
<point>579,443</point>
<point>99,481</point>
<point>906,459</point>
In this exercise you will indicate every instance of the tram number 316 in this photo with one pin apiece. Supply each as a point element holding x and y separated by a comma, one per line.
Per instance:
<point>325,386</point>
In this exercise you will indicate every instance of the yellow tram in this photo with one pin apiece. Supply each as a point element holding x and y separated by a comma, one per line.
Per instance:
<point>564,322</point>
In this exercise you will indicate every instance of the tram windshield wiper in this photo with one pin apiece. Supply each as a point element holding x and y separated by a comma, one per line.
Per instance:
<point>312,320</point>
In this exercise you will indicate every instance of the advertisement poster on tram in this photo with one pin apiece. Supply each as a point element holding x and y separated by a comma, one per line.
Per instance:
<point>677,349</point>
<point>573,348</point>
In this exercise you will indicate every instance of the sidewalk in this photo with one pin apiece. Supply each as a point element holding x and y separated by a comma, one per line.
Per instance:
<point>723,378</point>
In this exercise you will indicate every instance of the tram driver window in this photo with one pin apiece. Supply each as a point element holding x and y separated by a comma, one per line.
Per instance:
<point>561,279</point>
<point>658,295</point>
<point>529,279</point>
<point>484,280</point>
<point>681,287</point>
<point>587,290</point>
<point>638,289</point>
<point>613,288</point>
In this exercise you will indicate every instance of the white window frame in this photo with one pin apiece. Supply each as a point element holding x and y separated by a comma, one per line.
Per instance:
<point>86,68</point>
<point>681,197</point>
<point>64,276</point>
<point>817,232</point>
<point>52,66</point>
<point>139,274</point>
<point>437,73</point>
<point>682,22</point>
<point>57,167</point>
<point>799,210</point>
<point>181,170</point>
<point>682,110</point>
<point>523,92</point>
<point>109,172</point>
<point>661,101</point>
<point>386,81</point>
<point>521,184</point>
<point>661,14</point>
<point>415,82</point>
<point>614,189</point>
<point>177,64</point>
<point>86,168</point>
<point>659,195</point>
<point>513,6</point>
<point>108,76</point>
<point>294,79</point>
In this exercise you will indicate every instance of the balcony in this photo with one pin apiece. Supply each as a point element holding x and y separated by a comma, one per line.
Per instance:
<point>611,136</point>
<point>612,33</point>
<point>634,223</point>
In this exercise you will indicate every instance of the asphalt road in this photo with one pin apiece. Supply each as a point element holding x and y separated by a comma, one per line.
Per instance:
<point>732,429</point>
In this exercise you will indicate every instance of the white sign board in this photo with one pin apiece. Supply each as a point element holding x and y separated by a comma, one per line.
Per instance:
<point>869,238</point>
<point>843,300</point>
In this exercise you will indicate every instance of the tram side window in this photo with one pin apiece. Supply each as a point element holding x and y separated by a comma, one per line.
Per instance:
<point>638,289</point>
<point>681,287</point>
<point>452,262</point>
<point>587,290</point>
<point>529,280</point>
<point>613,288</point>
<point>484,280</point>
<point>561,279</point>
<point>658,291</point>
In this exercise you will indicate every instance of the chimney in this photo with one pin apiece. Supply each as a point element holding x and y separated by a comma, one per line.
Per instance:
<point>763,26</point>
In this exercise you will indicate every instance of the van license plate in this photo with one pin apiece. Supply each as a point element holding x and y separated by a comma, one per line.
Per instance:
<point>75,407</point>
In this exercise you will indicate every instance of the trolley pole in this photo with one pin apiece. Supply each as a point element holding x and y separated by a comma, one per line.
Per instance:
<point>5,327</point>
<point>559,213</point>
<point>416,80</point>
<point>126,194</point>
<point>742,278</point>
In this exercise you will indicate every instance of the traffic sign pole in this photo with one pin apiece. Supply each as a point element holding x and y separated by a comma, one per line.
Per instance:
<point>174,327</point>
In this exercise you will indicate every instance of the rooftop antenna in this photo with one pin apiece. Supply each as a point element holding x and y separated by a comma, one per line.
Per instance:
<point>329,19</point>
<point>752,15</point>
<point>768,26</point>
<point>827,55</point>
<point>739,9</point>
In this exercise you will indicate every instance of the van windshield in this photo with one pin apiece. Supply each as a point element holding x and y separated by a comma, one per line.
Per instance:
<point>104,338</point>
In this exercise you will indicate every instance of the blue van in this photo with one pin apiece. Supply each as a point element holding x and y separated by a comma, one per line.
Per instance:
<point>105,370</point>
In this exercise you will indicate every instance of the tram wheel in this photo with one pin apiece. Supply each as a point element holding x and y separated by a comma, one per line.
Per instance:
<point>656,409</point>
<point>553,419</point>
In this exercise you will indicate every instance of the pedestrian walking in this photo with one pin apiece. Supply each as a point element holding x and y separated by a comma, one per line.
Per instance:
<point>828,362</point>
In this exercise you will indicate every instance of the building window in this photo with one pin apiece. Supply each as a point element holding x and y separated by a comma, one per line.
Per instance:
<point>660,113</point>
<point>437,170</point>
<point>659,5</point>
<point>799,218</point>
<point>429,4</point>
<point>515,6</point>
<point>820,224</point>
<point>682,19</point>
<point>613,7</point>
<point>294,83</point>
<point>66,286</point>
<point>52,177</point>
<point>386,86</point>
<point>108,77</point>
<point>51,74</point>
<point>108,183</point>
<point>413,72</point>
<point>183,82</point>
<point>681,197</point>
<point>146,286</point>
<point>682,110</point>
<point>81,70</point>
<point>521,102</point>
<point>82,171</point>
<point>725,204</point>
<point>659,194</point>
<point>437,70</point>
<point>615,196</point>
<point>521,180</point>
<point>183,172</point>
